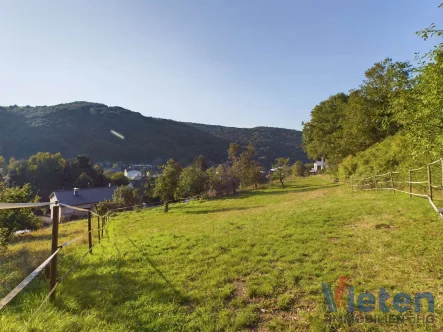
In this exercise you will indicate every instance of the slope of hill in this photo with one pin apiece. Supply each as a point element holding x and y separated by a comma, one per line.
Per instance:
<point>85,128</point>
<point>251,262</point>
<point>269,142</point>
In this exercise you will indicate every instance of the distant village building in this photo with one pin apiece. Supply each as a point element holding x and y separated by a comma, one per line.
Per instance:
<point>319,164</point>
<point>85,198</point>
<point>133,174</point>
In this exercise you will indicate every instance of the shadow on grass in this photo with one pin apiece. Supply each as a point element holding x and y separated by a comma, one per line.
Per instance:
<point>154,266</point>
<point>110,293</point>
<point>288,189</point>
<point>207,211</point>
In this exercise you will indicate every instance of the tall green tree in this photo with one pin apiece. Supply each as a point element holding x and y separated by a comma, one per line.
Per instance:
<point>245,167</point>
<point>3,170</point>
<point>420,110</point>
<point>167,183</point>
<point>282,170</point>
<point>83,181</point>
<point>385,82</point>
<point>298,169</point>
<point>119,179</point>
<point>234,151</point>
<point>79,165</point>
<point>45,171</point>
<point>193,181</point>
<point>323,134</point>
<point>17,172</point>
<point>126,196</point>
<point>347,124</point>
<point>200,162</point>
<point>222,179</point>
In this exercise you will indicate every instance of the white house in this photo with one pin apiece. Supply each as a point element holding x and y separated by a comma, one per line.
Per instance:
<point>133,174</point>
<point>85,198</point>
<point>319,164</point>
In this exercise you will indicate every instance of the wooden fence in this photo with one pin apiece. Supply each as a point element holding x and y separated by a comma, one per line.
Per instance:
<point>425,182</point>
<point>49,266</point>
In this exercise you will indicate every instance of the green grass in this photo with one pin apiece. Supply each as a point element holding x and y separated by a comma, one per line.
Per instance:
<point>254,261</point>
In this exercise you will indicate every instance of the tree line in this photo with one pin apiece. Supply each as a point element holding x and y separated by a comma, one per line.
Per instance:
<point>175,182</point>
<point>46,172</point>
<point>34,179</point>
<point>397,107</point>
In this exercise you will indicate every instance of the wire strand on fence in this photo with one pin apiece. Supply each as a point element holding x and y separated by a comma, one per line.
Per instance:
<point>428,183</point>
<point>377,175</point>
<point>413,194</point>
<point>434,162</point>
<point>433,205</point>
<point>40,306</point>
<point>78,209</point>
<point>37,271</point>
<point>417,169</point>
<point>7,206</point>
<point>26,281</point>
<point>75,264</point>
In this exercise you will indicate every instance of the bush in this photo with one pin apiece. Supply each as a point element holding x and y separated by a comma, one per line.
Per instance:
<point>298,169</point>
<point>13,220</point>
<point>395,153</point>
<point>192,182</point>
<point>119,179</point>
<point>123,197</point>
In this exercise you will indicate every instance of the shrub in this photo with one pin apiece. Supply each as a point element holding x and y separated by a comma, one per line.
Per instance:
<point>13,220</point>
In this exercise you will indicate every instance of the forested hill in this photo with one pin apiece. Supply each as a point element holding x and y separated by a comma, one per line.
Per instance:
<point>85,128</point>
<point>270,143</point>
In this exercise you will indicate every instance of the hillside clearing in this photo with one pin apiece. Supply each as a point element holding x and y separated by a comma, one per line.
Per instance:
<point>254,261</point>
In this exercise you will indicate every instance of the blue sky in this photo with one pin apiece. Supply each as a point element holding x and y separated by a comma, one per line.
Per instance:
<point>237,63</point>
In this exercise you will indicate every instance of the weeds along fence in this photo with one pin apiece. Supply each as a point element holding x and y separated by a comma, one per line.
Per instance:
<point>425,182</point>
<point>96,224</point>
<point>49,266</point>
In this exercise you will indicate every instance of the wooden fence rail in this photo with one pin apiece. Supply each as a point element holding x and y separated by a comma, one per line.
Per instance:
<point>379,181</point>
<point>51,261</point>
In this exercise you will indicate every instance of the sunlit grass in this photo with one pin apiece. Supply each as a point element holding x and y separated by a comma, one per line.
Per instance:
<point>252,261</point>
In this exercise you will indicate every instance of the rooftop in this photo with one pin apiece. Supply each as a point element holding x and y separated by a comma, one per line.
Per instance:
<point>84,195</point>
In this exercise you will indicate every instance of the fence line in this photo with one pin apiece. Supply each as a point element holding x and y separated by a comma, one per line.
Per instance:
<point>78,209</point>
<point>52,259</point>
<point>374,184</point>
<point>7,206</point>
<point>26,281</point>
<point>54,281</point>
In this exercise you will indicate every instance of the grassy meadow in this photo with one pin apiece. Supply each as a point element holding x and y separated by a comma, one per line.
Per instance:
<point>254,261</point>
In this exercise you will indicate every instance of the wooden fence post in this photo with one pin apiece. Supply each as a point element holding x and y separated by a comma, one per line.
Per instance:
<point>54,247</point>
<point>89,231</point>
<point>103,225</point>
<point>375,181</point>
<point>410,184</point>
<point>352,186</point>
<point>98,228</point>
<point>392,182</point>
<point>429,182</point>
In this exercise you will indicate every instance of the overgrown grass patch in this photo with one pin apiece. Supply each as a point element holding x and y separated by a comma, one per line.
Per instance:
<point>254,261</point>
